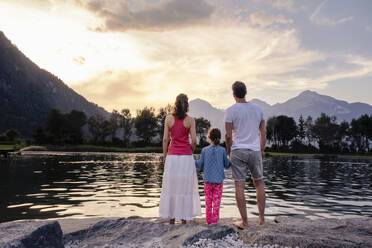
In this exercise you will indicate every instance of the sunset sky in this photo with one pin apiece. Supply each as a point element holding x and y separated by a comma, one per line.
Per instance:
<point>136,53</point>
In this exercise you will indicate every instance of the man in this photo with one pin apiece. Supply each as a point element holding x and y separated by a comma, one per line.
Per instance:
<point>245,144</point>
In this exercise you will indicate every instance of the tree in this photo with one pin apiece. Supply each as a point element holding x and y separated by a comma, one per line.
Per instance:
<point>146,124</point>
<point>163,112</point>
<point>99,128</point>
<point>202,125</point>
<point>308,129</point>
<point>271,131</point>
<point>324,131</point>
<point>72,125</point>
<point>281,130</point>
<point>12,134</point>
<point>114,124</point>
<point>342,141</point>
<point>301,128</point>
<point>54,125</point>
<point>361,132</point>
<point>126,123</point>
<point>40,137</point>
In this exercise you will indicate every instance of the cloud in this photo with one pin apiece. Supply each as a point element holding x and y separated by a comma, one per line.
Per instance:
<point>79,60</point>
<point>259,18</point>
<point>319,19</point>
<point>114,89</point>
<point>284,4</point>
<point>118,16</point>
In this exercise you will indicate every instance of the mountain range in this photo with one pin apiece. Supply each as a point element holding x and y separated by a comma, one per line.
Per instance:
<point>27,92</point>
<point>308,103</point>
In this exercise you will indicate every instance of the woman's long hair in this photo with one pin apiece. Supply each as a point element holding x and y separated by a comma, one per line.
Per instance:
<point>181,106</point>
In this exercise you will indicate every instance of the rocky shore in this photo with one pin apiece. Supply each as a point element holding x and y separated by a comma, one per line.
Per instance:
<point>146,232</point>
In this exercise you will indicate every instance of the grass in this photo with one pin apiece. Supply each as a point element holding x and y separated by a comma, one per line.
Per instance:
<point>6,147</point>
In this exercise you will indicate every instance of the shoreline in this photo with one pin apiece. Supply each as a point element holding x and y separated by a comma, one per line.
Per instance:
<point>156,149</point>
<point>154,232</point>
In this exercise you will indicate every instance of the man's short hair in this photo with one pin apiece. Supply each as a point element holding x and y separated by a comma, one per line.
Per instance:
<point>239,89</point>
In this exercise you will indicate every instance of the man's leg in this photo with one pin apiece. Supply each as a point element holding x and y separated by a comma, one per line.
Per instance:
<point>261,199</point>
<point>240,202</point>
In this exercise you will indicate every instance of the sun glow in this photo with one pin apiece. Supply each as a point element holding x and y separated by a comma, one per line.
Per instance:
<point>60,42</point>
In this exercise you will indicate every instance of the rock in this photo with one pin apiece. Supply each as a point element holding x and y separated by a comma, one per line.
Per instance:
<point>139,232</point>
<point>24,234</point>
<point>213,232</point>
<point>150,232</point>
<point>301,232</point>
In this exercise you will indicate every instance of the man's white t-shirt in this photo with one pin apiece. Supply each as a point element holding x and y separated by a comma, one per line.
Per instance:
<point>245,119</point>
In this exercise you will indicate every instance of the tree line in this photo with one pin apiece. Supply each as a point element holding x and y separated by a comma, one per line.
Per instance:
<point>121,128</point>
<point>324,134</point>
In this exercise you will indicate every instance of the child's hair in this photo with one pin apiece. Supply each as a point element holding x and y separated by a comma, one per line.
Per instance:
<point>214,134</point>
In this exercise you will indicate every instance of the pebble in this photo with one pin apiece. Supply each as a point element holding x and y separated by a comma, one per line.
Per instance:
<point>231,240</point>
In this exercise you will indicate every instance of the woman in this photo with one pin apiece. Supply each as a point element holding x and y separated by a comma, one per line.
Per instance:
<point>180,196</point>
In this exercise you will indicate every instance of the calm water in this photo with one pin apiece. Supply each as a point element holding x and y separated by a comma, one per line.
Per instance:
<point>59,185</point>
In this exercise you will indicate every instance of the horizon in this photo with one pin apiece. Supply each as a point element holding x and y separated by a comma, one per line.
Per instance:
<point>132,54</point>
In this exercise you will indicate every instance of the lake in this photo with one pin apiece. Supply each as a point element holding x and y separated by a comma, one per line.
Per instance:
<point>46,185</point>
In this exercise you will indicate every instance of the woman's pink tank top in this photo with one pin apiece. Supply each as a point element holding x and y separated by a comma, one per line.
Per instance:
<point>180,143</point>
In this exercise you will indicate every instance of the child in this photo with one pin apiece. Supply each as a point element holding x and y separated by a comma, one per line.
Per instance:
<point>213,159</point>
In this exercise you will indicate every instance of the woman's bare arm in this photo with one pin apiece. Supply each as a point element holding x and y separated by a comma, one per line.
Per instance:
<point>192,133</point>
<point>166,138</point>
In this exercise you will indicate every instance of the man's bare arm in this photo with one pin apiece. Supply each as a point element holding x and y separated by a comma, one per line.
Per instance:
<point>262,137</point>
<point>228,137</point>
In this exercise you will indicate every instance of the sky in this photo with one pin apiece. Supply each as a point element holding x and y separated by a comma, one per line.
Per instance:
<point>136,53</point>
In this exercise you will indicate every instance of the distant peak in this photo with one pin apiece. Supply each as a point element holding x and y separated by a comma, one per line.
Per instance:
<point>201,101</point>
<point>309,93</point>
<point>258,101</point>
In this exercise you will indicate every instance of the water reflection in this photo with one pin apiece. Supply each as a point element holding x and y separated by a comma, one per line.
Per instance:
<point>58,185</point>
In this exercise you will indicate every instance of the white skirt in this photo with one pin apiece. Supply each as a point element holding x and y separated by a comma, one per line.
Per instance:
<point>179,198</point>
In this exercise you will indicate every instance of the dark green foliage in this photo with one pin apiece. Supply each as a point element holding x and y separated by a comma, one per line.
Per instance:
<point>12,134</point>
<point>114,124</point>
<point>99,128</point>
<point>146,124</point>
<point>202,125</point>
<point>301,128</point>
<point>40,137</point>
<point>325,131</point>
<point>63,128</point>
<point>281,130</point>
<point>126,123</point>
<point>54,125</point>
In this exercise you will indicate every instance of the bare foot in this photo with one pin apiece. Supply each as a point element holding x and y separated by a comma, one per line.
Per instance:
<point>183,222</point>
<point>240,225</point>
<point>261,221</point>
<point>171,221</point>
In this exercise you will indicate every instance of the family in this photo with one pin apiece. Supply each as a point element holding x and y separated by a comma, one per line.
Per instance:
<point>245,143</point>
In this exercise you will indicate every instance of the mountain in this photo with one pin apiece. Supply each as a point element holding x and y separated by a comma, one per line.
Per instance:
<point>313,104</point>
<point>201,108</point>
<point>307,103</point>
<point>27,92</point>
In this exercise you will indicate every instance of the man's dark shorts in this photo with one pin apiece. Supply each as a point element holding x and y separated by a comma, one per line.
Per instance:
<point>244,159</point>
